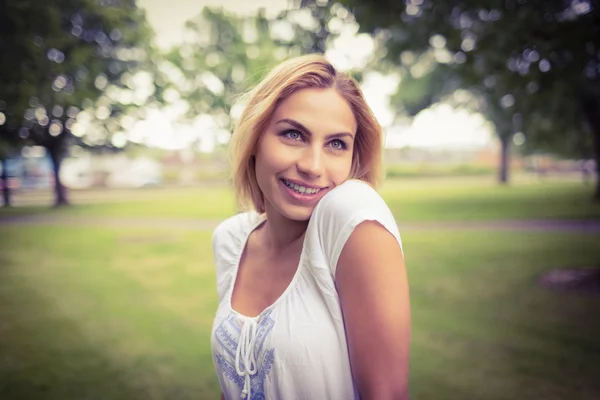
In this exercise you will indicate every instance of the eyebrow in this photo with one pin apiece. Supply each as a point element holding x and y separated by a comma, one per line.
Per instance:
<point>301,127</point>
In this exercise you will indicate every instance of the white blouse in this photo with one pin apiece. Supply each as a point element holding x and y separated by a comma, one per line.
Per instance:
<point>295,348</point>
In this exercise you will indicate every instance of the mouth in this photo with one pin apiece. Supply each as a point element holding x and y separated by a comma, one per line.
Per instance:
<point>302,190</point>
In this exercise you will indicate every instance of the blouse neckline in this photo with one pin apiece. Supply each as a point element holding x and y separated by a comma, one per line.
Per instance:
<point>260,219</point>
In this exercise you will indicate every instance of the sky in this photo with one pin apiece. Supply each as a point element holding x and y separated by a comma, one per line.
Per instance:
<point>167,17</point>
<point>438,127</point>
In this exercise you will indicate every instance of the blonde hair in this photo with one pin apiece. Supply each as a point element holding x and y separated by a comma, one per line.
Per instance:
<point>309,71</point>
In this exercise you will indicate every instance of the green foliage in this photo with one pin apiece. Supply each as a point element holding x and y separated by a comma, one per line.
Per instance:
<point>417,93</point>
<point>225,55</point>
<point>64,59</point>
<point>531,63</point>
<point>66,56</point>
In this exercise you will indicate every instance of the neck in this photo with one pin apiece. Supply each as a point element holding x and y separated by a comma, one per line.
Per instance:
<point>280,232</point>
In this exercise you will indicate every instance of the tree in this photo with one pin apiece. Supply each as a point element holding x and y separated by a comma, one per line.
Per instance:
<point>9,145</point>
<point>65,58</point>
<point>224,55</point>
<point>420,90</point>
<point>534,64</point>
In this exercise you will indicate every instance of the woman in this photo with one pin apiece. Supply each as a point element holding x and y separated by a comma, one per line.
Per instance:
<point>313,294</point>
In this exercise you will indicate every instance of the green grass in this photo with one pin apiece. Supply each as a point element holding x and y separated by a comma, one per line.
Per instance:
<point>204,202</point>
<point>470,200</point>
<point>451,199</point>
<point>105,314</point>
<point>124,313</point>
<point>483,329</point>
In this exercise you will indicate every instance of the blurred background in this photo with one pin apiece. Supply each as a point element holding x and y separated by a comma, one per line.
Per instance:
<point>115,117</point>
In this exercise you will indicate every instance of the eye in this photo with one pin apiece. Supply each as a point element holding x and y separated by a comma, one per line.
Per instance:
<point>338,144</point>
<point>293,135</point>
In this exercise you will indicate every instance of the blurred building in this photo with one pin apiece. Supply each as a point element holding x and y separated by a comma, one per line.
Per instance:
<point>186,167</point>
<point>483,160</point>
<point>110,170</point>
<point>32,170</point>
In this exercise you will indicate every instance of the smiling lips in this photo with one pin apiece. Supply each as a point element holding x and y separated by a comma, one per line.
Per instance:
<point>301,189</point>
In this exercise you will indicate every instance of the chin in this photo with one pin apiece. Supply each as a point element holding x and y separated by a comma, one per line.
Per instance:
<point>290,211</point>
<point>296,213</point>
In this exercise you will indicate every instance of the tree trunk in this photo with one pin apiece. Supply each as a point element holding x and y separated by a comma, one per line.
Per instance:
<point>5,188</point>
<point>591,107</point>
<point>60,192</point>
<point>504,159</point>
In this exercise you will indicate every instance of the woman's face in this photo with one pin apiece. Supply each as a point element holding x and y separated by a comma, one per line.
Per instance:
<point>305,151</point>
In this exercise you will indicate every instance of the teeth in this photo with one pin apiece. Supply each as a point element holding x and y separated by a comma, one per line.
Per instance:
<point>300,189</point>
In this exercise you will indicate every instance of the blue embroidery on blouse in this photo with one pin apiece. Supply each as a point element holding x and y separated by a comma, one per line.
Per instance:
<point>227,335</point>
<point>228,370</point>
<point>227,339</point>
<point>231,320</point>
<point>264,328</point>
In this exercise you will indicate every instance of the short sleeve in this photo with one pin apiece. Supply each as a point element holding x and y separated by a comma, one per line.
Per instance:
<point>342,210</point>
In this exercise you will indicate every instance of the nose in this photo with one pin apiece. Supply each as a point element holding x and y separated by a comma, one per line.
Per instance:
<point>311,162</point>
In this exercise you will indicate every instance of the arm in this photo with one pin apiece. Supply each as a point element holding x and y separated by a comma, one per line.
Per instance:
<point>373,288</point>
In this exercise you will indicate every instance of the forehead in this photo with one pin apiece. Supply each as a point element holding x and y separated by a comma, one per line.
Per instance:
<point>320,110</point>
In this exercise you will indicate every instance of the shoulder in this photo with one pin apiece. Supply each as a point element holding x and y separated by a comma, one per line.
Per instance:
<point>344,208</point>
<point>228,235</point>
<point>350,203</point>
<point>350,195</point>
<point>235,225</point>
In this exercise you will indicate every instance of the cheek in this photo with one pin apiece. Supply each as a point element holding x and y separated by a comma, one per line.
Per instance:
<point>270,159</point>
<point>341,169</point>
<point>262,170</point>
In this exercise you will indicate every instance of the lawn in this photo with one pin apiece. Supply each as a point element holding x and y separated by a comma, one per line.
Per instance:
<point>483,199</point>
<point>107,313</point>
<point>411,200</point>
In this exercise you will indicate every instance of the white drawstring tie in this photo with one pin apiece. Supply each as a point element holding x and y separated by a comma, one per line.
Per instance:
<point>245,353</point>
